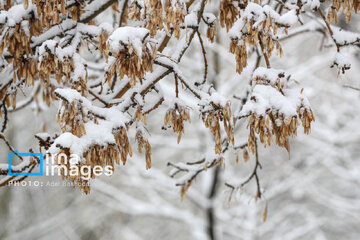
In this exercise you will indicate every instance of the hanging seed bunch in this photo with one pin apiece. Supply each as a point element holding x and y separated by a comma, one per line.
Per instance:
<point>245,154</point>
<point>175,117</point>
<point>210,21</point>
<point>48,94</point>
<point>71,117</point>
<point>102,38</point>
<point>170,13</point>
<point>17,42</point>
<point>154,19</point>
<point>82,183</point>
<point>106,30</point>
<point>122,141</point>
<point>62,63</point>
<point>80,120</point>
<point>102,156</point>
<point>96,155</point>
<point>212,118</point>
<point>10,99</point>
<point>143,144</point>
<point>135,10</point>
<point>257,26</point>
<point>15,38</point>
<point>275,107</point>
<point>346,5</point>
<point>50,10</point>
<point>139,115</point>
<point>5,5</point>
<point>26,69</point>
<point>132,54</point>
<point>175,12</point>
<point>228,14</point>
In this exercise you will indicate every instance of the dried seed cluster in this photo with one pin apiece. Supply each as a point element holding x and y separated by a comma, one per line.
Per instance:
<point>255,31</point>
<point>5,5</point>
<point>10,99</point>
<point>17,42</point>
<point>123,144</point>
<point>139,116</point>
<point>50,65</point>
<point>51,11</point>
<point>175,117</point>
<point>228,14</point>
<point>171,14</point>
<point>212,120</point>
<point>143,144</point>
<point>210,21</point>
<point>134,11</point>
<point>72,118</point>
<point>102,39</point>
<point>81,183</point>
<point>346,5</point>
<point>129,61</point>
<point>274,123</point>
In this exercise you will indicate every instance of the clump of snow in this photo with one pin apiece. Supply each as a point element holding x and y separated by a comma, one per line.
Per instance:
<point>288,18</point>
<point>209,17</point>
<point>271,76</point>
<point>16,14</point>
<point>100,134</point>
<point>266,95</point>
<point>341,62</point>
<point>191,19</point>
<point>124,36</point>
<point>258,14</point>
<point>343,37</point>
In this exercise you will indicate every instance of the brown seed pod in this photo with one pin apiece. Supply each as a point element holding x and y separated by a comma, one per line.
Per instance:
<point>127,58</point>
<point>273,123</point>
<point>143,143</point>
<point>175,117</point>
<point>228,14</point>
<point>346,5</point>
<point>212,120</point>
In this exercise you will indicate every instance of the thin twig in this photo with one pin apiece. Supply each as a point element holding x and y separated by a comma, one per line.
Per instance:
<point>330,30</point>
<point>2,136</point>
<point>354,88</point>
<point>122,15</point>
<point>176,86</point>
<point>5,117</point>
<point>204,56</point>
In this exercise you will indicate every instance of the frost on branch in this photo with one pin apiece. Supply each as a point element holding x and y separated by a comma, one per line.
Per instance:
<point>275,107</point>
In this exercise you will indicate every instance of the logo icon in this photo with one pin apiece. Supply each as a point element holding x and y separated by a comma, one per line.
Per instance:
<point>16,153</point>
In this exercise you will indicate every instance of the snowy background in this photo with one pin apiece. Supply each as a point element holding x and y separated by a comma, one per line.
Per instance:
<point>313,195</point>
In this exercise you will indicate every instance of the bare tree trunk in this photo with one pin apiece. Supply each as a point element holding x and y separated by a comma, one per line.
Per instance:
<point>211,218</point>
